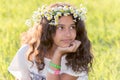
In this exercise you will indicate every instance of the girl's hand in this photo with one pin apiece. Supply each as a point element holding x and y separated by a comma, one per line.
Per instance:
<point>72,48</point>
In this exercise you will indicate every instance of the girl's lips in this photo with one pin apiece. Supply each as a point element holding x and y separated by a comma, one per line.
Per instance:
<point>67,40</point>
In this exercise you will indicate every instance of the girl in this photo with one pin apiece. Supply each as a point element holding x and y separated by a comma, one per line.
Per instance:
<point>56,47</point>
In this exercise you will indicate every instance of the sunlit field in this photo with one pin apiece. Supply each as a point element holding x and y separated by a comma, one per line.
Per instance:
<point>102,24</point>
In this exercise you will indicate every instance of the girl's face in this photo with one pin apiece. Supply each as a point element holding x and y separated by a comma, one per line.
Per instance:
<point>65,32</point>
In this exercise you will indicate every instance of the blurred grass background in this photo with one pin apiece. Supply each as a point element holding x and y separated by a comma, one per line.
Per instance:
<point>103,19</point>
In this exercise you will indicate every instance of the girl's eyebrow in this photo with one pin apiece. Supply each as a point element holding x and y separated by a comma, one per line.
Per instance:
<point>64,24</point>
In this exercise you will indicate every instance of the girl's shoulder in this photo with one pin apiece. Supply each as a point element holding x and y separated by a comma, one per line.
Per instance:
<point>23,48</point>
<point>19,64</point>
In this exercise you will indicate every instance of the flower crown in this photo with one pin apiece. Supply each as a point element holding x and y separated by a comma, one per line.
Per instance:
<point>54,13</point>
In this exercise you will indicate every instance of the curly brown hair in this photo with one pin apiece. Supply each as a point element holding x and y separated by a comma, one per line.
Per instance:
<point>40,40</point>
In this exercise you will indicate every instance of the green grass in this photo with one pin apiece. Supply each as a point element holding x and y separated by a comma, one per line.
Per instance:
<point>102,24</point>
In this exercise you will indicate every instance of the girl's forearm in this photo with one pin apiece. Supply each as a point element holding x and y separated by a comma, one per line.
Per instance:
<point>56,59</point>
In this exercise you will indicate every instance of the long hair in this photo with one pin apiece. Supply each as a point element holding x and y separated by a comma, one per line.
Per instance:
<point>40,40</point>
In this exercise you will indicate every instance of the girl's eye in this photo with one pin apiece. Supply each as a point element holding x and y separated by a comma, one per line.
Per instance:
<point>60,27</point>
<point>72,27</point>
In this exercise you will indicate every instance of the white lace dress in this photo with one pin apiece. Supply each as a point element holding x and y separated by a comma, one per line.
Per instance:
<point>22,69</point>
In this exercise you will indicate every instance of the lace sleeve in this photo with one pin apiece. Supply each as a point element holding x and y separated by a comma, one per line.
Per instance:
<point>18,67</point>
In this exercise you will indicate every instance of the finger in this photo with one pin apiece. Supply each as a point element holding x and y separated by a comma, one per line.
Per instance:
<point>77,43</point>
<point>73,47</point>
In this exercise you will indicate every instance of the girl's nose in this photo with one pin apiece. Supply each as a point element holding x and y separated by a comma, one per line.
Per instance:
<point>68,33</point>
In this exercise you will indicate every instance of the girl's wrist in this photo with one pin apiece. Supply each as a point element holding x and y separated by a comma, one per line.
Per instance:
<point>57,54</point>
